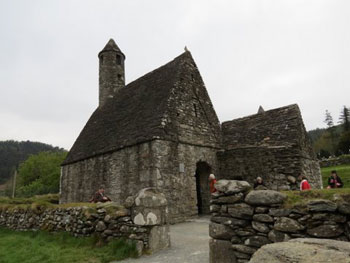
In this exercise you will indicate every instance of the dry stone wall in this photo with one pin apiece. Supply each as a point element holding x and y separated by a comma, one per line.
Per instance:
<point>143,220</point>
<point>242,221</point>
<point>343,159</point>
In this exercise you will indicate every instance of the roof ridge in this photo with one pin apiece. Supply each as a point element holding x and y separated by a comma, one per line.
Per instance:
<point>176,59</point>
<point>294,105</point>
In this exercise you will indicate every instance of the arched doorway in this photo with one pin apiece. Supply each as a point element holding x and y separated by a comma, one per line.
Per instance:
<point>203,169</point>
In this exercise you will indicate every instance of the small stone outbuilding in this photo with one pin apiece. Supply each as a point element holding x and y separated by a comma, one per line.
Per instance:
<point>271,144</point>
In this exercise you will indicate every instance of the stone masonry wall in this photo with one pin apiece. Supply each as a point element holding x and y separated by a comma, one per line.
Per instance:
<point>343,159</point>
<point>242,221</point>
<point>279,167</point>
<point>143,221</point>
<point>166,165</point>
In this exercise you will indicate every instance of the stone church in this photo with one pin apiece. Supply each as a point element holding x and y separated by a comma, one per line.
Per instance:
<point>162,131</point>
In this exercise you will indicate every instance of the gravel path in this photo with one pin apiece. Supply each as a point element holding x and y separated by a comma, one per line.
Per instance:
<point>189,244</point>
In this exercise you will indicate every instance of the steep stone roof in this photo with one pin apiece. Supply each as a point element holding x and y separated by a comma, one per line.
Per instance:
<point>273,128</point>
<point>133,116</point>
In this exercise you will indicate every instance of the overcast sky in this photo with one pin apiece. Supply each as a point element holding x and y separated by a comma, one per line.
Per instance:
<point>250,53</point>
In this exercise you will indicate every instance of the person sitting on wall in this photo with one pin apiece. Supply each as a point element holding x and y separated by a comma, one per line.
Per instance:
<point>100,196</point>
<point>212,182</point>
<point>259,182</point>
<point>334,181</point>
<point>304,184</point>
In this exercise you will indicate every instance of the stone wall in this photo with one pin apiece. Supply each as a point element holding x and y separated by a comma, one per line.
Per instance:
<point>343,159</point>
<point>242,221</point>
<point>279,167</point>
<point>143,220</point>
<point>166,165</point>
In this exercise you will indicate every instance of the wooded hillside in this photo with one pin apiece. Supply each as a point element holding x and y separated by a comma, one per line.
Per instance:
<point>12,153</point>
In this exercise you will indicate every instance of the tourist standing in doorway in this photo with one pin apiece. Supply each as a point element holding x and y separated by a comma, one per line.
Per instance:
<point>212,182</point>
<point>304,184</point>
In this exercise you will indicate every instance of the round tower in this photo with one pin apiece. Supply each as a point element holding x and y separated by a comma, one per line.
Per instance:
<point>111,71</point>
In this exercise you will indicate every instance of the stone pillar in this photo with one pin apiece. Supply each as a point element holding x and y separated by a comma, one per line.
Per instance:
<point>150,209</point>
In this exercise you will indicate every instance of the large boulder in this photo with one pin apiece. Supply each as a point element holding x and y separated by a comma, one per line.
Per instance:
<point>321,205</point>
<point>326,231</point>
<point>265,197</point>
<point>230,187</point>
<point>219,231</point>
<point>304,250</point>
<point>286,224</point>
<point>241,210</point>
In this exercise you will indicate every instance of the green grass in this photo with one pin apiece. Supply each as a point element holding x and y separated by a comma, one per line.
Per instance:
<point>33,247</point>
<point>300,198</point>
<point>342,170</point>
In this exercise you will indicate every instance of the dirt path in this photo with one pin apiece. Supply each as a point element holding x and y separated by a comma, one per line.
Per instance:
<point>189,244</point>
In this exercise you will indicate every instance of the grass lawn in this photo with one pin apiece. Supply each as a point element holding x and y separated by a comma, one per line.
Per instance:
<point>342,170</point>
<point>35,247</point>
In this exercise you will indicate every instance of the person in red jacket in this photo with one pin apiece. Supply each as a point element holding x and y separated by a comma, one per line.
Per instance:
<point>304,185</point>
<point>212,181</point>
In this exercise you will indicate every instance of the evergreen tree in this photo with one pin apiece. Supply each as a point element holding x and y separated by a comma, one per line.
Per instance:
<point>329,119</point>
<point>344,118</point>
<point>332,131</point>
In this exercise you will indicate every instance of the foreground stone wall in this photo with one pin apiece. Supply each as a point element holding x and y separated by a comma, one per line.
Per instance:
<point>242,221</point>
<point>143,221</point>
<point>166,165</point>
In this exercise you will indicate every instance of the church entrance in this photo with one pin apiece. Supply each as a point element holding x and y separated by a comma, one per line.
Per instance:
<point>202,185</point>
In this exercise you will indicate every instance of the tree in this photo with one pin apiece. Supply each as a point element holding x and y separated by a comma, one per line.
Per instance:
<point>329,119</point>
<point>12,153</point>
<point>344,143</point>
<point>40,174</point>
<point>344,118</point>
<point>332,130</point>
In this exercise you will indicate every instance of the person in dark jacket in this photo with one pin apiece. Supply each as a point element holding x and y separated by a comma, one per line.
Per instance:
<point>100,196</point>
<point>334,181</point>
<point>259,182</point>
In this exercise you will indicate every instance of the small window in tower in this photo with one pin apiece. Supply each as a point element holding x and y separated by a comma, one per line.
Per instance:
<point>119,76</point>
<point>195,109</point>
<point>192,77</point>
<point>101,60</point>
<point>119,60</point>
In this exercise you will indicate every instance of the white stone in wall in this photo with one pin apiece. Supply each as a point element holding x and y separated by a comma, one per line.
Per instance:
<point>139,220</point>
